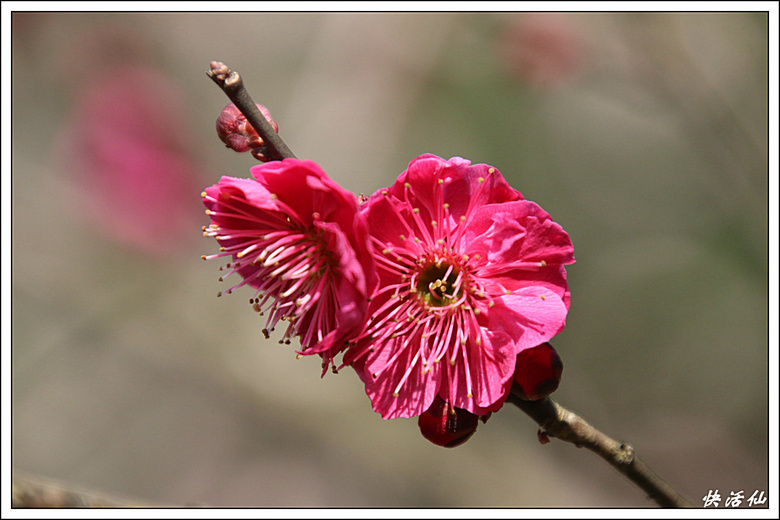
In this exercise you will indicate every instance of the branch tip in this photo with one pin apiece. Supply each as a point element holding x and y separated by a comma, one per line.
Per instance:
<point>233,86</point>
<point>218,71</point>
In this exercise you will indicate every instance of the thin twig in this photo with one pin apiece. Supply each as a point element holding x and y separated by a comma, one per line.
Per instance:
<point>556,421</point>
<point>231,83</point>
<point>35,492</point>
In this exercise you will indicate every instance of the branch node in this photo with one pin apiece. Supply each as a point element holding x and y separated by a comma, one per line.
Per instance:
<point>233,81</point>
<point>626,455</point>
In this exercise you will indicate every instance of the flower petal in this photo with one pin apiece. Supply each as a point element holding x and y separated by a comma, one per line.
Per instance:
<point>529,316</point>
<point>383,373</point>
<point>517,233</point>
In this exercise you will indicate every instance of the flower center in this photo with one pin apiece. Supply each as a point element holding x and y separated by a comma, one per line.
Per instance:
<point>439,283</point>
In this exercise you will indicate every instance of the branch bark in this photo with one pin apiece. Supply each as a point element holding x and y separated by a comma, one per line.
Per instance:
<point>556,421</point>
<point>233,86</point>
<point>34,492</point>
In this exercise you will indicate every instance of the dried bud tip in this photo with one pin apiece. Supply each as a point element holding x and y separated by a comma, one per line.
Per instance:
<point>542,436</point>
<point>218,71</point>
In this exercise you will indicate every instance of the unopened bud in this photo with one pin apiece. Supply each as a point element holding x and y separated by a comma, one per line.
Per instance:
<point>237,134</point>
<point>537,373</point>
<point>447,426</point>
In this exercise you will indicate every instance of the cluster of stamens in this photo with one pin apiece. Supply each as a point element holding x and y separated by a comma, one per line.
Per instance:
<point>286,264</point>
<point>431,305</point>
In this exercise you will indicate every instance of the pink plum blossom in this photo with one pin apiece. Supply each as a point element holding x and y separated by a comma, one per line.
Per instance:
<point>297,238</point>
<point>471,274</point>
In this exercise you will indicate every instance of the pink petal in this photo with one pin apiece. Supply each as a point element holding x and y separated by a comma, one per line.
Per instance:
<point>530,316</point>
<point>515,233</point>
<point>419,389</point>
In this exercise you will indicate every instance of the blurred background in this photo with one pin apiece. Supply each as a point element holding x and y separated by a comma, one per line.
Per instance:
<point>643,134</point>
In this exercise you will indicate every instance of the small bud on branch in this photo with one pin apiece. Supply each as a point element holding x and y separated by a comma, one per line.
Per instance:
<point>233,86</point>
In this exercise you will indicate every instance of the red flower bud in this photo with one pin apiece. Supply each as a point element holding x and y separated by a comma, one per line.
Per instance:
<point>537,373</point>
<point>447,426</point>
<point>237,134</point>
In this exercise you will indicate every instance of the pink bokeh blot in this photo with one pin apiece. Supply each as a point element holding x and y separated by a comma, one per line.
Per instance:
<point>126,148</point>
<point>542,50</point>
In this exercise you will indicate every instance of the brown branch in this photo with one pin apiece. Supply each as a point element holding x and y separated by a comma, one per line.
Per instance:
<point>231,83</point>
<point>34,492</point>
<point>556,421</point>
